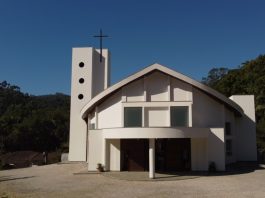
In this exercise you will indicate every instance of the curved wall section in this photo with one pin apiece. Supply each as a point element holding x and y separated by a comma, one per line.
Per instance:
<point>156,132</point>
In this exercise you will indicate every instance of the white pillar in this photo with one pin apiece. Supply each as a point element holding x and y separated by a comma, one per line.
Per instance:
<point>151,158</point>
<point>104,153</point>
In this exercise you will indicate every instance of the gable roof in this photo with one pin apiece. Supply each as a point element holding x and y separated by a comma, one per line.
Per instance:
<point>107,92</point>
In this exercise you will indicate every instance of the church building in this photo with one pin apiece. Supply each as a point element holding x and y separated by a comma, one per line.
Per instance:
<point>154,120</point>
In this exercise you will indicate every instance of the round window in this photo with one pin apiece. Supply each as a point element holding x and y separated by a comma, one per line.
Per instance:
<point>81,80</point>
<point>81,64</point>
<point>80,96</point>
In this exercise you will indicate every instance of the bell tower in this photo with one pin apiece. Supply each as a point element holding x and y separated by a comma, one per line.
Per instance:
<point>90,76</point>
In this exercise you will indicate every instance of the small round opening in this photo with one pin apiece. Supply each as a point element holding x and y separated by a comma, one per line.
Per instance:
<point>81,80</point>
<point>81,64</point>
<point>80,96</point>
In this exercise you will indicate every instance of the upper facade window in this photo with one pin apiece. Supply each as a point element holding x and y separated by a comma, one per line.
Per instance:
<point>133,117</point>
<point>179,116</point>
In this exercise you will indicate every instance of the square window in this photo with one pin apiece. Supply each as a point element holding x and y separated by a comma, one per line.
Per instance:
<point>133,117</point>
<point>179,116</point>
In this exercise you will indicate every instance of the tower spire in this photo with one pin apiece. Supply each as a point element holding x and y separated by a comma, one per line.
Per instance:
<point>100,36</point>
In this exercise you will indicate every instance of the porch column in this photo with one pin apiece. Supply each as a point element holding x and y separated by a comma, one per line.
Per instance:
<point>151,158</point>
<point>105,154</point>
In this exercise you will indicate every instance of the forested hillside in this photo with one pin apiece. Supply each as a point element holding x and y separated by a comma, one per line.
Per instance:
<point>249,78</point>
<point>39,123</point>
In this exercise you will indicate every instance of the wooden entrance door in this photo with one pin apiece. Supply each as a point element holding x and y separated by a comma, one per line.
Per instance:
<point>134,155</point>
<point>173,154</point>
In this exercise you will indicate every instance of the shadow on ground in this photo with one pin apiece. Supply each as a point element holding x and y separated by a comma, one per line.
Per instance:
<point>9,178</point>
<point>233,169</point>
<point>241,168</point>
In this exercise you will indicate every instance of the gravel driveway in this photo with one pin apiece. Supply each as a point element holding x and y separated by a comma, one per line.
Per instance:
<point>58,180</point>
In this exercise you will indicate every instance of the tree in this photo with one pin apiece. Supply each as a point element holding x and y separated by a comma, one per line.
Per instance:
<point>214,75</point>
<point>39,123</point>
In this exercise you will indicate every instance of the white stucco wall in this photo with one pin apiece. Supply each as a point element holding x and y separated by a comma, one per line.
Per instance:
<point>246,129</point>
<point>180,91</point>
<point>100,75</point>
<point>114,154</point>
<point>157,117</point>
<point>95,149</point>
<point>216,148</point>
<point>100,147</point>
<point>135,91</point>
<point>157,87</point>
<point>110,112</point>
<point>77,141</point>
<point>199,154</point>
<point>210,149</point>
<point>206,112</point>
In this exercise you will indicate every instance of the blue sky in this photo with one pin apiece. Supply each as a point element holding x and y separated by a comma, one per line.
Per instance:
<point>190,36</point>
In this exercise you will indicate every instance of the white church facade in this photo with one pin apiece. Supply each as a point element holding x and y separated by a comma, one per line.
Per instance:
<point>154,120</point>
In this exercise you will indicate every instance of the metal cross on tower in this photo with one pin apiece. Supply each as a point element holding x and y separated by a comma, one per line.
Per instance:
<point>101,36</point>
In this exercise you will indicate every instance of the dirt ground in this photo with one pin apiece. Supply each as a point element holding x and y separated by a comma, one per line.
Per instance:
<point>59,180</point>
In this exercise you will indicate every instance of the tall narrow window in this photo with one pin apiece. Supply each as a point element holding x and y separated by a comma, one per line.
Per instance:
<point>228,128</point>
<point>133,117</point>
<point>228,147</point>
<point>179,116</point>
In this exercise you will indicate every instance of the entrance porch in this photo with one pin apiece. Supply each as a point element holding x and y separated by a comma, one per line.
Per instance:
<point>170,155</point>
<point>156,149</point>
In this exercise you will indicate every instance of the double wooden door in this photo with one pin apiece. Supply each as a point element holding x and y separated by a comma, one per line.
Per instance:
<point>134,154</point>
<point>173,154</point>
